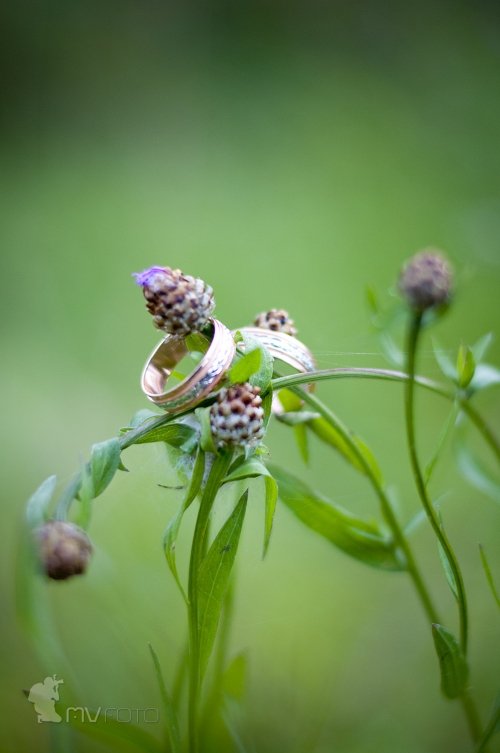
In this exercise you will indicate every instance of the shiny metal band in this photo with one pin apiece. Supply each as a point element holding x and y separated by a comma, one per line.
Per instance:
<point>202,380</point>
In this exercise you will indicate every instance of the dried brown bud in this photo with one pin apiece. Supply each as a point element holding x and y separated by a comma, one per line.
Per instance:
<point>426,280</point>
<point>277,320</point>
<point>237,416</point>
<point>64,549</point>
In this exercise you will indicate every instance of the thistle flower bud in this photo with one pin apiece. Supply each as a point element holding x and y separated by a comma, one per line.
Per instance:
<point>426,280</point>
<point>179,304</point>
<point>63,548</point>
<point>237,417</point>
<point>277,320</point>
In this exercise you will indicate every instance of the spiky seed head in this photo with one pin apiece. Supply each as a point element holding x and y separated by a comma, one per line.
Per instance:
<point>179,304</point>
<point>277,320</point>
<point>237,416</point>
<point>63,548</point>
<point>426,280</point>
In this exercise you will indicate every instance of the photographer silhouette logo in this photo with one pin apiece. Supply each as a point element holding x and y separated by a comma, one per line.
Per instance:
<point>44,696</point>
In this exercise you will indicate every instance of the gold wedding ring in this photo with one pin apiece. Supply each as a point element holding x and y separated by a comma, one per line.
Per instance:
<point>200,382</point>
<point>283,347</point>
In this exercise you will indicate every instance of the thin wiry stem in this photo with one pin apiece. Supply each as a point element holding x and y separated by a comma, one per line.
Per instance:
<point>385,504</point>
<point>395,376</point>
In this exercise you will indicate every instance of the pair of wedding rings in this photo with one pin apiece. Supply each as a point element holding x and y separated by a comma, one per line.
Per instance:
<point>214,364</point>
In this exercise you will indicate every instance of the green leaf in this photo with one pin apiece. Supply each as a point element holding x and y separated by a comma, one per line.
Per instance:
<point>168,706</point>
<point>391,350</point>
<point>450,577</point>
<point>172,530</point>
<point>295,418</point>
<point>474,471</point>
<point>141,417</point>
<point>485,376</point>
<point>242,469</point>
<point>489,575</point>
<point>213,580</point>
<point>290,401</point>
<point>271,499</point>
<point>234,679</point>
<point>267,405</point>
<point>263,375</point>
<point>104,462</point>
<point>252,468</point>
<point>301,440</point>
<point>372,300</point>
<point>176,434</point>
<point>121,735</point>
<point>38,503</point>
<point>466,366</point>
<point>328,434</point>
<point>206,439</point>
<point>481,347</point>
<point>454,671</point>
<point>245,367</point>
<point>444,361</point>
<point>362,539</point>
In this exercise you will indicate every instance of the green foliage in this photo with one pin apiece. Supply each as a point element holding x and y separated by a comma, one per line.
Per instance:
<point>361,539</point>
<point>168,706</point>
<point>172,530</point>
<point>213,579</point>
<point>452,665</point>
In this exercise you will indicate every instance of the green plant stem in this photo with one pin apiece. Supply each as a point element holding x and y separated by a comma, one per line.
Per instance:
<point>412,348</point>
<point>413,337</point>
<point>491,728</point>
<point>217,472</point>
<point>394,376</point>
<point>385,504</point>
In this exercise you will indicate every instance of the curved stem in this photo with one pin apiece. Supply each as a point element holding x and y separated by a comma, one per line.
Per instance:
<point>394,376</point>
<point>413,337</point>
<point>216,476</point>
<point>385,504</point>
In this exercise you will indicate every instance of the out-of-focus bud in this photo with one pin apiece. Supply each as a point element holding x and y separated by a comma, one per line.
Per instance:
<point>277,320</point>
<point>426,280</point>
<point>64,549</point>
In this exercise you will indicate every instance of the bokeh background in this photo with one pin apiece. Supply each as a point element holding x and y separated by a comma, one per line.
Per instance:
<point>289,153</point>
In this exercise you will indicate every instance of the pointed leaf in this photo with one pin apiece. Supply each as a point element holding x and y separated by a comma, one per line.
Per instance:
<point>485,376</point>
<point>466,366</point>
<point>262,377</point>
<point>37,505</point>
<point>355,536</point>
<point>271,499</point>
<point>234,680</point>
<point>301,439</point>
<point>213,580</point>
<point>454,671</point>
<point>245,366</point>
<point>328,434</point>
<point>104,462</point>
<point>293,418</point>
<point>175,434</point>
<point>391,350</point>
<point>444,361</point>
<point>450,577</point>
<point>250,468</point>
<point>476,472</point>
<point>172,530</point>
<point>206,439</point>
<point>168,706</point>
<point>481,347</point>
<point>489,575</point>
<point>109,729</point>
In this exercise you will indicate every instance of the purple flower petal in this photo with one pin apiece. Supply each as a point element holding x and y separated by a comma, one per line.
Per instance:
<point>144,278</point>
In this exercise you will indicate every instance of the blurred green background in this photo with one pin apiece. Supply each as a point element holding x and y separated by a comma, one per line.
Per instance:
<point>289,153</point>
